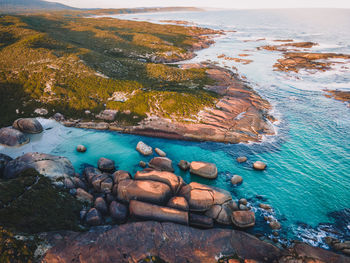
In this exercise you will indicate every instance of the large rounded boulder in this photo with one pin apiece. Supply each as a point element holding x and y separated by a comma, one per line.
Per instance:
<point>204,169</point>
<point>144,149</point>
<point>161,164</point>
<point>46,164</point>
<point>243,219</point>
<point>12,137</point>
<point>28,125</point>
<point>106,165</point>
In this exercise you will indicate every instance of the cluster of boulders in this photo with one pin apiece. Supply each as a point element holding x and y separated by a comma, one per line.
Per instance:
<point>154,193</point>
<point>16,135</point>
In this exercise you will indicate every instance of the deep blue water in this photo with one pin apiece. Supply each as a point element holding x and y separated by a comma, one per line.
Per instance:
<point>308,175</point>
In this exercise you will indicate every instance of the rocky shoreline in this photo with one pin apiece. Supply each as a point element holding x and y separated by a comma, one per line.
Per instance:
<point>152,215</point>
<point>240,115</point>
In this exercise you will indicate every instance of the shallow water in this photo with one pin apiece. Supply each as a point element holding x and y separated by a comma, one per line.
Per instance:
<point>308,173</point>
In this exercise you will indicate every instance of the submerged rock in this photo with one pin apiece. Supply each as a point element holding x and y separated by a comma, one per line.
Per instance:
<point>48,165</point>
<point>204,169</point>
<point>28,125</point>
<point>242,159</point>
<point>161,164</point>
<point>236,179</point>
<point>144,149</point>
<point>258,165</point>
<point>12,137</point>
<point>184,165</point>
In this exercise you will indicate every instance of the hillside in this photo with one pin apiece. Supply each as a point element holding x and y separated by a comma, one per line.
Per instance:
<point>27,5</point>
<point>72,64</point>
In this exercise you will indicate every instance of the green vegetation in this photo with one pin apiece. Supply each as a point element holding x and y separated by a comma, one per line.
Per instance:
<point>31,204</point>
<point>15,250</point>
<point>69,64</point>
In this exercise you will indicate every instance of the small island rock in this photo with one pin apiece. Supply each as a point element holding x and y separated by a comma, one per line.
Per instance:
<point>144,149</point>
<point>258,165</point>
<point>81,148</point>
<point>160,152</point>
<point>204,169</point>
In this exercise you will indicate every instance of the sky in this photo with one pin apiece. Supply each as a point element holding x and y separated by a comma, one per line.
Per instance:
<point>208,3</point>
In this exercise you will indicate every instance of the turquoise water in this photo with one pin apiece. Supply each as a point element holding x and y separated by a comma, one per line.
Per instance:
<point>308,175</point>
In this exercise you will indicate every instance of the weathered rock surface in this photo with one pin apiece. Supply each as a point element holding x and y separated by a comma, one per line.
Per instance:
<point>204,169</point>
<point>243,219</point>
<point>147,191</point>
<point>178,202</point>
<point>118,211</point>
<point>200,221</point>
<point>339,95</point>
<point>93,217</point>
<point>222,213</point>
<point>41,111</point>
<point>28,125</point>
<point>91,125</point>
<point>144,149</point>
<point>106,165</point>
<point>170,242</point>
<point>91,172</point>
<point>120,175</point>
<point>107,115</point>
<point>46,164</point>
<point>100,205</point>
<point>173,181</point>
<point>201,197</point>
<point>148,211</point>
<point>161,164</point>
<point>12,137</point>
<point>84,196</point>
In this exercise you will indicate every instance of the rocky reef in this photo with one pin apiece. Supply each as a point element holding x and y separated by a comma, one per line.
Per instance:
<point>296,57</point>
<point>339,95</point>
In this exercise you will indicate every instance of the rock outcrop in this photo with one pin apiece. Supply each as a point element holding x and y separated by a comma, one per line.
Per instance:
<point>169,242</point>
<point>48,165</point>
<point>12,137</point>
<point>28,125</point>
<point>161,164</point>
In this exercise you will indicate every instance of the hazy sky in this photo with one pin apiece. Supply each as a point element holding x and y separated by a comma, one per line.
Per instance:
<point>208,3</point>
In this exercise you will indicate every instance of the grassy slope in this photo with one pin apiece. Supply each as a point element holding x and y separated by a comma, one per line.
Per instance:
<point>51,61</point>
